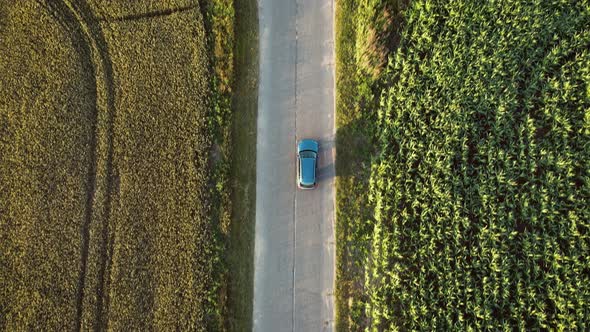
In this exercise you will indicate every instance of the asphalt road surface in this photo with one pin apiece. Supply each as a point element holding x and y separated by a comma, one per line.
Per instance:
<point>294,249</point>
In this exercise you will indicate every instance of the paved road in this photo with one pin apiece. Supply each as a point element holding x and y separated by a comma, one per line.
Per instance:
<point>294,250</point>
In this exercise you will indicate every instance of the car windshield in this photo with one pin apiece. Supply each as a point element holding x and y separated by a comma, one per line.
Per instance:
<point>307,154</point>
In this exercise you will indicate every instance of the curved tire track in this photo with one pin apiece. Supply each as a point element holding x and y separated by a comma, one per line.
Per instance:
<point>78,19</point>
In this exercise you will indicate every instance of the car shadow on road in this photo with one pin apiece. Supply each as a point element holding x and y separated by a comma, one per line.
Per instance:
<point>354,153</point>
<point>326,164</point>
<point>326,173</point>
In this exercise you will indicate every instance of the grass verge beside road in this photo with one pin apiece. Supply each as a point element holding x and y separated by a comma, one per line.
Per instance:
<point>354,125</point>
<point>240,253</point>
<point>233,45</point>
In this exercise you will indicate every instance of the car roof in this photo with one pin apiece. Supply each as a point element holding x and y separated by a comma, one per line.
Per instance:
<point>307,173</point>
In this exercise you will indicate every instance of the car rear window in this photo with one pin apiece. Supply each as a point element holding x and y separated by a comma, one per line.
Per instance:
<point>307,154</point>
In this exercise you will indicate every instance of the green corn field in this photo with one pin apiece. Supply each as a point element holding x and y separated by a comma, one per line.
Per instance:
<point>479,184</point>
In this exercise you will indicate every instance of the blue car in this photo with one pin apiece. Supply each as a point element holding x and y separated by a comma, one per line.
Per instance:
<point>307,157</point>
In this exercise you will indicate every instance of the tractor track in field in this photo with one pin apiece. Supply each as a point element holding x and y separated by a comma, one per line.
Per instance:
<point>78,19</point>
